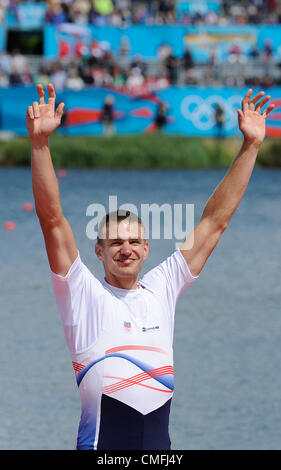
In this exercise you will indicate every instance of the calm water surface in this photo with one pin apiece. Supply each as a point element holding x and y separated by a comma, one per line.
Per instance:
<point>228,324</point>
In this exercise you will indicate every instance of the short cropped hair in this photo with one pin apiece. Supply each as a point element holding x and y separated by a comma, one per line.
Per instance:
<point>118,216</point>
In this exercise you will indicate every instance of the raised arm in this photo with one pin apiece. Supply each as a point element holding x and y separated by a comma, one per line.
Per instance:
<point>41,121</point>
<point>226,198</point>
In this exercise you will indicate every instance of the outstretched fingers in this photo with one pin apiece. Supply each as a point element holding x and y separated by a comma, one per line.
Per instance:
<point>59,111</point>
<point>33,111</point>
<point>36,111</point>
<point>256,98</point>
<point>41,94</point>
<point>245,101</point>
<point>30,113</point>
<point>262,103</point>
<point>268,110</point>
<point>52,94</point>
<point>254,104</point>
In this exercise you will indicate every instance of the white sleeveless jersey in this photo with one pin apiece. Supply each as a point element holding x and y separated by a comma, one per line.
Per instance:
<point>121,345</point>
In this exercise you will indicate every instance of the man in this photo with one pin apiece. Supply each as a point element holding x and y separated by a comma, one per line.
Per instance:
<point>119,330</point>
<point>107,116</point>
<point>220,120</point>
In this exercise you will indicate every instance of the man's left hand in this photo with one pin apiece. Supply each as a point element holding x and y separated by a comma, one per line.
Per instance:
<point>252,119</point>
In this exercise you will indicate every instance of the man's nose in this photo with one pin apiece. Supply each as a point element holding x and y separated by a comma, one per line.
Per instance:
<point>126,248</point>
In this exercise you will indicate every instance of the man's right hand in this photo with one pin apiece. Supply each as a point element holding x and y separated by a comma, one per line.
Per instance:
<point>41,121</point>
<point>41,118</point>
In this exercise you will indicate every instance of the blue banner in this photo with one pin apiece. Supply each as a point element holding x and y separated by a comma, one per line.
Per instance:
<point>194,111</point>
<point>221,41</point>
<point>189,111</point>
<point>131,114</point>
<point>70,40</point>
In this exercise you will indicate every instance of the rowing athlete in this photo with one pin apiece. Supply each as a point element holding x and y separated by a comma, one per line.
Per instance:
<point>119,330</point>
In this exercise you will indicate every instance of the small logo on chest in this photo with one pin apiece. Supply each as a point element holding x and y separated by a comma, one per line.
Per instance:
<point>127,325</point>
<point>157,327</point>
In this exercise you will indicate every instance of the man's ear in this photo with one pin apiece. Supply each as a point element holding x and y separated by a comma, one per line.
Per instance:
<point>99,251</point>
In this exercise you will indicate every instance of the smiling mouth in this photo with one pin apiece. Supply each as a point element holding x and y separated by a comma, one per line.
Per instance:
<point>126,261</point>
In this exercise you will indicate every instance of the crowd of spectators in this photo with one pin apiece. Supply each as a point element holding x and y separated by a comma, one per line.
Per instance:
<point>133,74</point>
<point>101,12</point>
<point>101,67</point>
<point>236,13</point>
<point>252,11</point>
<point>123,13</point>
<point>102,71</point>
<point>127,12</point>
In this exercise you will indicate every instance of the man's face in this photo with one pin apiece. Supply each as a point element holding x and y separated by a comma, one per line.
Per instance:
<point>122,251</point>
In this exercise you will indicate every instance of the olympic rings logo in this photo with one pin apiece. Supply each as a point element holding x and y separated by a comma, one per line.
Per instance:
<point>201,112</point>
